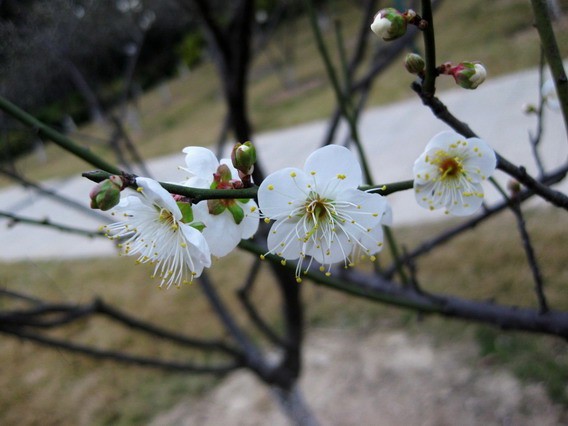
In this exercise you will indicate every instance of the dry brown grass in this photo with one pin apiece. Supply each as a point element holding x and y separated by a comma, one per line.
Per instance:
<point>56,387</point>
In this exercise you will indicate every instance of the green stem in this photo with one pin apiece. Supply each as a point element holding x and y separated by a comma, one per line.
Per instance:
<point>388,188</point>
<point>56,137</point>
<point>429,85</point>
<point>552,54</point>
<point>196,194</point>
<point>199,194</point>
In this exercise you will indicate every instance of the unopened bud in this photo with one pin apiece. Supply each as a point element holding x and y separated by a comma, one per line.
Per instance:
<point>389,24</point>
<point>529,109</point>
<point>106,194</point>
<point>243,157</point>
<point>468,75</point>
<point>414,63</point>
<point>548,92</point>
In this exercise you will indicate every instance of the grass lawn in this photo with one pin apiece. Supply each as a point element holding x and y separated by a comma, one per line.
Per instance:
<point>59,387</point>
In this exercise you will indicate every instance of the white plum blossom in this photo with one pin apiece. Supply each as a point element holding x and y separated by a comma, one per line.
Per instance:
<point>450,171</point>
<point>226,222</point>
<point>154,229</point>
<point>319,211</point>
<point>550,96</point>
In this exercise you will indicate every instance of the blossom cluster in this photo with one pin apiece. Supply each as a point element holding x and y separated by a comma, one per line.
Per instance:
<point>177,237</point>
<point>318,213</point>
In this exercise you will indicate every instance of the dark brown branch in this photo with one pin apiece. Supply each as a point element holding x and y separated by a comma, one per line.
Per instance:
<point>451,233</point>
<point>243,293</point>
<point>531,257</point>
<point>15,219</point>
<point>92,352</point>
<point>51,315</point>
<point>49,193</point>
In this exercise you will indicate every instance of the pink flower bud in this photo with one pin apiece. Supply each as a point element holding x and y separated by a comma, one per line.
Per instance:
<point>468,75</point>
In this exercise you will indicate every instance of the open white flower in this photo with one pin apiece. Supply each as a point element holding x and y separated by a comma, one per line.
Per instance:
<point>450,171</point>
<point>319,211</point>
<point>226,222</point>
<point>153,227</point>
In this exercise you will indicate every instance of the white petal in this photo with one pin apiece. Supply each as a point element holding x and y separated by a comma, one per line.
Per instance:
<point>156,194</point>
<point>335,249</point>
<point>424,171</point>
<point>426,194</point>
<point>333,168</point>
<point>283,240</point>
<point>198,248</point>
<point>465,205</point>
<point>198,182</point>
<point>222,233</point>
<point>200,162</point>
<point>249,225</point>
<point>282,191</point>
<point>369,243</point>
<point>364,208</point>
<point>481,161</point>
<point>443,140</point>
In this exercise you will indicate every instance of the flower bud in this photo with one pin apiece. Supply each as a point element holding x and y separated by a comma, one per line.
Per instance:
<point>414,63</point>
<point>243,157</point>
<point>468,75</point>
<point>106,194</point>
<point>389,24</point>
<point>529,109</point>
<point>548,92</point>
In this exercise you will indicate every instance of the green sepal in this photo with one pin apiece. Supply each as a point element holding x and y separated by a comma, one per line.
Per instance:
<point>200,226</point>
<point>186,212</point>
<point>216,207</point>
<point>237,212</point>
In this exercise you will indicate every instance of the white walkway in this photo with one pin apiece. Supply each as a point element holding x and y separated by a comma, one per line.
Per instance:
<point>393,136</point>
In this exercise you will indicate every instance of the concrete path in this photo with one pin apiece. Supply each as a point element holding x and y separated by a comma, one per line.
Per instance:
<point>393,136</point>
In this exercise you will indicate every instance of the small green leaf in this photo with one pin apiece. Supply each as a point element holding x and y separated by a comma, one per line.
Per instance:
<point>186,212</point>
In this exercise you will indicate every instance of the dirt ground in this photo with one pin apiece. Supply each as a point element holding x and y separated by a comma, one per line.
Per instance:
<point>384,379</point>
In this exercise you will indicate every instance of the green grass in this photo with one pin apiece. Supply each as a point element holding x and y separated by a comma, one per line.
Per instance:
<point>498,33</point>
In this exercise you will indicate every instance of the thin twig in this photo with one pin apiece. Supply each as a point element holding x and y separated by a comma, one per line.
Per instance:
<point>243,294</point>
<point>122,357</point>
<point>15,219</point>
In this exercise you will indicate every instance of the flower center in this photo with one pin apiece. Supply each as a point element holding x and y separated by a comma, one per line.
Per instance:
<point>450,167</point>
<point>167,217</point>
<point>316,207</point>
